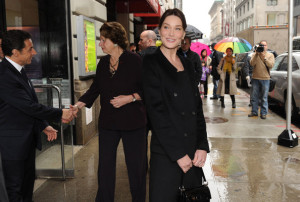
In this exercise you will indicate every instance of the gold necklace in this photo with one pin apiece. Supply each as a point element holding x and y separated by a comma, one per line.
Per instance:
<point>112,68</point>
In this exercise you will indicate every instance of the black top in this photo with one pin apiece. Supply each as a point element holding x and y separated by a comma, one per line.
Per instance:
<point>148,50</point>
<point>174,107</point>
<point>126,81</point>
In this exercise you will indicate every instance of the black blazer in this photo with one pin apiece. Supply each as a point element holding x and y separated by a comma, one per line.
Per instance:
<point>21,116</point>
<point>178,122</point>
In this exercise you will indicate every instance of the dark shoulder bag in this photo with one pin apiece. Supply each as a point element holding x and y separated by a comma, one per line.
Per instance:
<point>194,194</point>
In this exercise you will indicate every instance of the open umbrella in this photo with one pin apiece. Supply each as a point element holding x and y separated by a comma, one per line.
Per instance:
<point>238,45</point>
<point>198,47</point>
<point>190,30</point>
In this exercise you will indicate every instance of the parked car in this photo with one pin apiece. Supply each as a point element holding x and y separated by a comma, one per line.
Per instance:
<point>240,67</point>
<point>279,75</point>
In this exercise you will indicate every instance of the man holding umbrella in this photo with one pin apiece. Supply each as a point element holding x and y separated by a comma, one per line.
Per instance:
<point>215,56</point>
<point>186,52</point>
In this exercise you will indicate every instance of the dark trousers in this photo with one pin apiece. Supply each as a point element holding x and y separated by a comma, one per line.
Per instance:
<point>165,178</point>
<point>134,144</point>
<point>19,177</point>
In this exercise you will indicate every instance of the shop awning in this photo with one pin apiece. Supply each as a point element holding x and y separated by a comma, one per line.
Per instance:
<point>137,6</point>
<point>151,19</point>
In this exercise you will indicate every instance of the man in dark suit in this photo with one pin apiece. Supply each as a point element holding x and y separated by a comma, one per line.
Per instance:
<point>147,43</point>
<point>22,118</point>
<point>216,57</point>
<point>186,52</point>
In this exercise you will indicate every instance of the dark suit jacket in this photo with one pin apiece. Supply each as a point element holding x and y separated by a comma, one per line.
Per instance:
<point>216,57</point>
<point>195,60</point>
<point>21,116</point>
<point>178,128</point>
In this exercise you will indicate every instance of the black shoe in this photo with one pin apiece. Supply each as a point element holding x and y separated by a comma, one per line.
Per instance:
<point>252,115</point>
<point>233,105</point>
<point>222,105</point>
<point>214,98</point>
<point>263,116</point>
<point>250,105</point>
<point>205,96</point>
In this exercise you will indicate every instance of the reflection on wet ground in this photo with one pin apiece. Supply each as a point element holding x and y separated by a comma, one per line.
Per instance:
<point>245,162</point>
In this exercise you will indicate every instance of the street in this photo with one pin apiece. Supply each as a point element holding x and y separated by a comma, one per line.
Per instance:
<point>245,162</point>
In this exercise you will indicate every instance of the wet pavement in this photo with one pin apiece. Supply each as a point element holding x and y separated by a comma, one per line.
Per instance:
<point>245,163</point>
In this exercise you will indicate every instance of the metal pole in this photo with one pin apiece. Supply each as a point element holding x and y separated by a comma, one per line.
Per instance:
<point>289,72</point>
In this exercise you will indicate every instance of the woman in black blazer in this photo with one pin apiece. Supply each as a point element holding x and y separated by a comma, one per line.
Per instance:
<point>179,140</point>
<point>119,83</point>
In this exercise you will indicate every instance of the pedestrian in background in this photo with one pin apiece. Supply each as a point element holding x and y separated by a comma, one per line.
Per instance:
<point>186,52</point>
<point>147,42</point>
<point>179,140</point>
<point>122,115</point>
<point>204,77</point>
<point>227,83</point>
<point>262,63</point>
<point>132,47</point>
<point>248,72</point>
<point>204,57</point>
<point>215,60</point>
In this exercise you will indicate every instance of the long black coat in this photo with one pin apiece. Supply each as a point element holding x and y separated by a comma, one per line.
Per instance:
<point>175,132</point>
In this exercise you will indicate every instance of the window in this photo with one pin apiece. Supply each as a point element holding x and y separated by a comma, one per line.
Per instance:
<point>244,9</point>
<point>248,4</point>
<point>237,13</point>
<point>297,2</point>
<point>252,3</point>
<point>249,22</point>
<point>271,2</point>
<point>271,18</point>
<point>277,62</point>
<point>240,11</point>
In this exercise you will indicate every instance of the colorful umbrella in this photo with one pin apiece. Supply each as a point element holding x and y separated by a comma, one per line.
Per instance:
<point>238,45</point>
<point>198,47</point>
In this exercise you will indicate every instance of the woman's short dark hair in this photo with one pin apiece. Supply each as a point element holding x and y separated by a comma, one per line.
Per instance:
<point>115,32</point>
<point>14,39</point>
<point>175,12</point>
<point>230,49</point>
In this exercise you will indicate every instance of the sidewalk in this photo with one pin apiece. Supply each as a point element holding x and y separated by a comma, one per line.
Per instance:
<point>245,163</point>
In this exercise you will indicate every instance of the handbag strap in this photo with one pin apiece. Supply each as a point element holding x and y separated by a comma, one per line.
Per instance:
<point>266,66</point>
<point>203,176</point>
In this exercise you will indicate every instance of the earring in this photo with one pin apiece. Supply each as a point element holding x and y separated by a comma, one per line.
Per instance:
<point>115,45</point>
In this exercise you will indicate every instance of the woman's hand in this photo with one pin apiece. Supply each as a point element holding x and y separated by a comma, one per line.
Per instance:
<point>199,158</point>
<point>121,100</point>
<point>185,163</point>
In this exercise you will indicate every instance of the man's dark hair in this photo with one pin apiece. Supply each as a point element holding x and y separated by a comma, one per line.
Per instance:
<point>1,35</point>
<point>188,38</point>
<point>14,39</point>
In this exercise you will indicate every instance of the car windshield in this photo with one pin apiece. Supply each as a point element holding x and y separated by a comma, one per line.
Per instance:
<point>277,62</point>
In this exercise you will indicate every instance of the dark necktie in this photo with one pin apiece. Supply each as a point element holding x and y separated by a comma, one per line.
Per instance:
<point>24,76</point>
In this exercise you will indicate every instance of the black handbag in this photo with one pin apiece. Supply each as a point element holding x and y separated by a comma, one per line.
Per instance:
<point>271,85</point>
<point>194,194</point>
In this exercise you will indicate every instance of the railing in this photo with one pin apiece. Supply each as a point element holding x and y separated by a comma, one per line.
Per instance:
<point>51,173</point>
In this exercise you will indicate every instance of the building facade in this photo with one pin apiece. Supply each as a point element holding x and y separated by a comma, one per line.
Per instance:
<point>55,26</point>
<point>229,18</point>
<point>217,20</point>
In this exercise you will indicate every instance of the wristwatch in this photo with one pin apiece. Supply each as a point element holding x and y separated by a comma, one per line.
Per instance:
<point>133,98</point>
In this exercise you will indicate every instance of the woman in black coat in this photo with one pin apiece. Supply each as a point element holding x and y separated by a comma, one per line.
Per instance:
<point>119,83</point>
<point>179,140</point>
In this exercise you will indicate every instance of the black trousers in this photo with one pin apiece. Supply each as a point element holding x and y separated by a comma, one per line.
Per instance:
<point>134,143</point>
<point>165,178</point>
<point>19,177</point>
